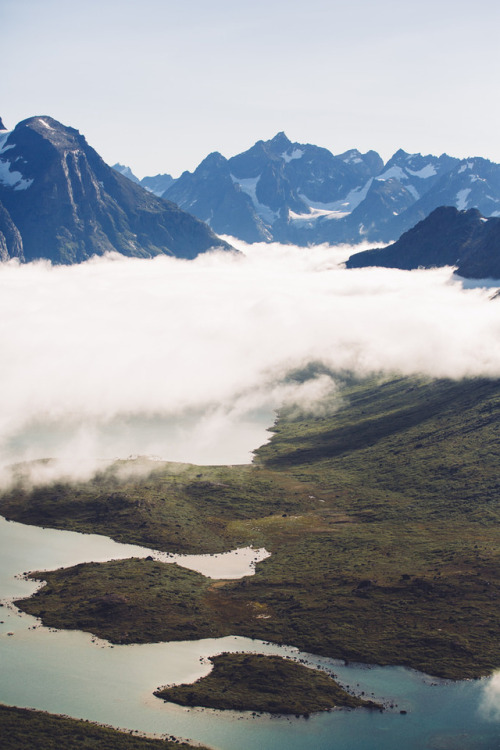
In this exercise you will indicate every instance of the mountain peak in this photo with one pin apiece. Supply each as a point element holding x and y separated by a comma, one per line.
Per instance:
<point>214,160</point>
<point>68,205</point>
<point>53,131</point>
<point>126,172</point>
<point>280,141</point>
<point>2,126</point>
<point>42,121</point>
<point>401,153</point>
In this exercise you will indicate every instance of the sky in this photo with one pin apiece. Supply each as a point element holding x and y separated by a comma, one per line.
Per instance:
<point>159,84</point>
<point>188,360</point>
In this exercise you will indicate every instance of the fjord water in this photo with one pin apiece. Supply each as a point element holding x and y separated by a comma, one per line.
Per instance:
<point>73,673</point>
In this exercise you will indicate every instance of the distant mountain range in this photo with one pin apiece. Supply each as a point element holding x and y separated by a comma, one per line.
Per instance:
<point>157,184</point>
<point>300,193</point>
<point>447,237</point>
<point>60,201</point>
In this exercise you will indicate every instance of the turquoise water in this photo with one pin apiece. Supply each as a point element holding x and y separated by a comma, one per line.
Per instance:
<point>75,674</point>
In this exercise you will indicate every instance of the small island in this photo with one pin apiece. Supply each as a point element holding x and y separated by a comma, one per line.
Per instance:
<point>271,684</point>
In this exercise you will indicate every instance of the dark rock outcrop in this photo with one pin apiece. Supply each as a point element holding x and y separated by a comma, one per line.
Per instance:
<point>447,237</point>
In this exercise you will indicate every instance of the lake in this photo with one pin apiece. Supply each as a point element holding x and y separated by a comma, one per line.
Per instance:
<point>73,673</point>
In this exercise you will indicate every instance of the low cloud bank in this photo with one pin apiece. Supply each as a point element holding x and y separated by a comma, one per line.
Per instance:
<point>188,359</point>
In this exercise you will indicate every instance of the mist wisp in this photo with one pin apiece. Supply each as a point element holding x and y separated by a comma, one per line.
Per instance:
<point>187,360</point>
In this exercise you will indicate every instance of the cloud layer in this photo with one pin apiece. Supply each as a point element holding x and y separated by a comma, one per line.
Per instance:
<point>188,359</point>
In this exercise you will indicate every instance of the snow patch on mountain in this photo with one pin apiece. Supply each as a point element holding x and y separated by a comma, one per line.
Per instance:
<point>249,186</point>
<point>13,179</point>
<point>396,173</point>
<point>297,153</point>
<point>334,215</point>
<point>3,137</point>
<point>315,214</point>
<point>9,177</point>
<point>339,209</point>
<point>428,171</point>
<point>462,196</point>
<point>44,122</point>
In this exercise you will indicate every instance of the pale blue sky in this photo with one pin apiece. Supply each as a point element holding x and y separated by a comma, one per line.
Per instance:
<point>158,84</point>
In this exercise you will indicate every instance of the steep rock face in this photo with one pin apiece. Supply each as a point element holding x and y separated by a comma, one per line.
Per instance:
<point>68,205</point>
<point>11,244</point>
<point>447,237</point>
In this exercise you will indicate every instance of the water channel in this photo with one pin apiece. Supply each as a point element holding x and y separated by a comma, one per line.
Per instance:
<point>73,673</point>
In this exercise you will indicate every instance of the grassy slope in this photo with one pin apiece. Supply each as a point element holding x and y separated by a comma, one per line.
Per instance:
<point>246,682</point>
<point>382,519</point>
<point>173,507</point>
<point>23,729</point>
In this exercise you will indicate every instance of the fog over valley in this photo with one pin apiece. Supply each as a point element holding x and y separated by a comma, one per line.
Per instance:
<point>187,360</point>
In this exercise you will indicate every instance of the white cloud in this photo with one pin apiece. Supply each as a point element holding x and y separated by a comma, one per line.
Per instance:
<point>188,359</point>
<point>490,699</point>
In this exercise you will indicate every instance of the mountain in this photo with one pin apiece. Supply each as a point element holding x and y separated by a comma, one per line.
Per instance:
<point>300,193</point>
<point>273,191</point>
<point>156,184</point>
<point>212,195</point>
<point>60,201</point>
<point>126,172</point>
<point>447,237</point>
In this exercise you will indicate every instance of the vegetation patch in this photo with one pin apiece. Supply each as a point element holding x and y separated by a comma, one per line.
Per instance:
<point>247,682</point>
<point>126,601</point>
<point>24,729</point>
